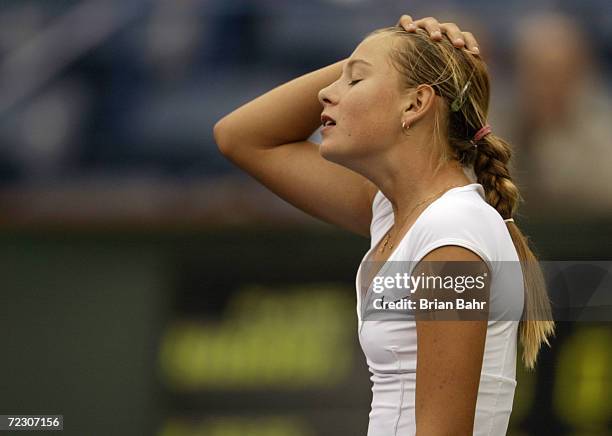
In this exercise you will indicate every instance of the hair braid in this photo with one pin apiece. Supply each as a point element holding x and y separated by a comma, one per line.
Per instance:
<point>492,172</point>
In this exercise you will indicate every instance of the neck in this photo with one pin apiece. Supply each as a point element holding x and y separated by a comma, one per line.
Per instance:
<point>407,188</point>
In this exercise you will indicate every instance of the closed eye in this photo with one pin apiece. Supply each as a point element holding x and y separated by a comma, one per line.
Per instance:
<point>354,82</point>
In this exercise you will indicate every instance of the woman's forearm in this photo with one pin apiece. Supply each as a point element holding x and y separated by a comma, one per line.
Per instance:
<point>288,113</point>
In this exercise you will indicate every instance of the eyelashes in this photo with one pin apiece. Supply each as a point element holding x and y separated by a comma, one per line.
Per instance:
<point>354,82</point>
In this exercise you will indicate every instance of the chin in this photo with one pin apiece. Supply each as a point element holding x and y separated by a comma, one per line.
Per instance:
<point>347,155</point>
<point>332,152</point>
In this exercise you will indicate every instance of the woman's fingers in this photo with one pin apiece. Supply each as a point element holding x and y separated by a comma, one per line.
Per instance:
<point>454,34</point>
<point>458,38</point>
<point>470,42</point>
<point>406,22</point>
<point>432,26</point>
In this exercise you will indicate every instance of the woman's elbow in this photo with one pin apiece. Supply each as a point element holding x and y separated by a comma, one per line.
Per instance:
<point>220,133</point>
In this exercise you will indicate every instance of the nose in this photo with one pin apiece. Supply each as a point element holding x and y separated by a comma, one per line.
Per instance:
<point>324,96</point>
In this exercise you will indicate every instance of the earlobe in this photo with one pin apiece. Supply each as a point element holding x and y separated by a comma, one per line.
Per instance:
<point>409,117</point>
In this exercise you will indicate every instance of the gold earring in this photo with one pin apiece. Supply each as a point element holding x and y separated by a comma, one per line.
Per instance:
<point>405,127</point>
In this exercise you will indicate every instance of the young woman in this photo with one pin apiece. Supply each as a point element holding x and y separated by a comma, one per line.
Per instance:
<point>407,158</point>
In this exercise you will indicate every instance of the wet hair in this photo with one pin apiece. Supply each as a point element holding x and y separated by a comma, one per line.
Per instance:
<point>462,81</point>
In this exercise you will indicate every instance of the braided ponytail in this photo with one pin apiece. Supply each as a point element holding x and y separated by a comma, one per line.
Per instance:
<point>491,169</point>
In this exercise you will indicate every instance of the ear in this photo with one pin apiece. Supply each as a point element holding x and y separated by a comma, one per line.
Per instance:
<point>417,104</point>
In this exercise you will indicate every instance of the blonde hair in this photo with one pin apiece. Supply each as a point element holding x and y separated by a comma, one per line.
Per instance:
<point>462,81</point>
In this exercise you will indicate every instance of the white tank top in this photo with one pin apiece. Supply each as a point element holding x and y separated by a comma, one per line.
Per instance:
<point>461,216</point>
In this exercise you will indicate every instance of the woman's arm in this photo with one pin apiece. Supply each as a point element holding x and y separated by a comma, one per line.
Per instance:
<point>288,113</point>
<point>267,138</point>
<point>449,353</point>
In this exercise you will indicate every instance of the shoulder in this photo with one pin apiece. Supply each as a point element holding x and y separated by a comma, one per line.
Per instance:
<point>462,218</point>
<point>461,210</point>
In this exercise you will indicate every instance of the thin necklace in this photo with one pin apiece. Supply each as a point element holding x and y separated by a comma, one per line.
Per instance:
<point>420,203</point>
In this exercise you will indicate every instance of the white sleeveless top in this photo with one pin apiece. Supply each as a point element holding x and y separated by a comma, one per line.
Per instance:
<point>461,216</point>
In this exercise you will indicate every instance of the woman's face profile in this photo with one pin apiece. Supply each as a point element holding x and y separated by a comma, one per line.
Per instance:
<point>365,104</point>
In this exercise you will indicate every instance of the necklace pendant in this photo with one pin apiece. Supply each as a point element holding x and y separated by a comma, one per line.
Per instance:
<point>384,244</point>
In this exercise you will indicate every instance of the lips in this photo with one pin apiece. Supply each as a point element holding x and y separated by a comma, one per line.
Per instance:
<point>326,120</point>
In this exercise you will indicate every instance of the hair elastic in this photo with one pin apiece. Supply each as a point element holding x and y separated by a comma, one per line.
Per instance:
<point>484,131</point>
<point>509,220</point>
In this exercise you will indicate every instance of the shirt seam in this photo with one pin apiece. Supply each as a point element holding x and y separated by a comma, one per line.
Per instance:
<point>454,241</point>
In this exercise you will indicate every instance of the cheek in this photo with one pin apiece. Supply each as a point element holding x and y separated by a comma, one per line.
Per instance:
<point>369,119</point>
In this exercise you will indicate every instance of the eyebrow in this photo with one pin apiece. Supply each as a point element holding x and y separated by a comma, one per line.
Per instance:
<point>354,61</point>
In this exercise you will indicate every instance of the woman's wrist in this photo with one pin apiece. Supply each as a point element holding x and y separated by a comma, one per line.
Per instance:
<point>288,113</point>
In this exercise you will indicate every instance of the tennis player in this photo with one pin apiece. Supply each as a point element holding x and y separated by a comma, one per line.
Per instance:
<point>408,159</point>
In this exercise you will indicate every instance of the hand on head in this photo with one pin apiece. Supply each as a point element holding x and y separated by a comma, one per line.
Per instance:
<point>435,29</point>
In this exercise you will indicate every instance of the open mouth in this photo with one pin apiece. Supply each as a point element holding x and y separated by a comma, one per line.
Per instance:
<point>327,121</point>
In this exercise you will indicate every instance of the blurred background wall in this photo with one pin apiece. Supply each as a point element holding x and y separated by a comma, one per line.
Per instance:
<point>150,288</point>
